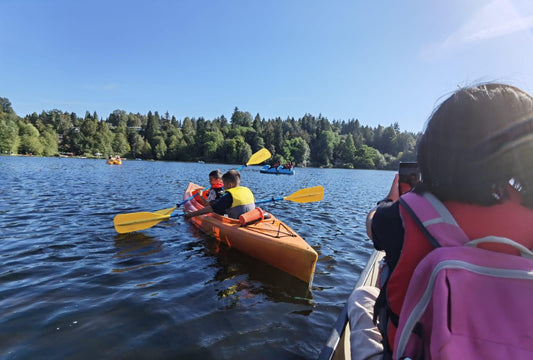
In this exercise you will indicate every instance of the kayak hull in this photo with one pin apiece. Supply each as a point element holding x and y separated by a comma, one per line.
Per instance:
<point>269,240</point>
<point>114,162</point>
<point>276,171</point>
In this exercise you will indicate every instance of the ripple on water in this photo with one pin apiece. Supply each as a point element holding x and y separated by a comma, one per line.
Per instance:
<point>73,288</point>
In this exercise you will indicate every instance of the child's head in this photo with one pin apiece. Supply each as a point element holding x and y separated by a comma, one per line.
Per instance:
<point>476,141</point>
<point>215,176</point>
<point>231,179</point>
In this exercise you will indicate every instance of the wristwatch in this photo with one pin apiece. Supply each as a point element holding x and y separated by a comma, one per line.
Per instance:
<point>385,200</point>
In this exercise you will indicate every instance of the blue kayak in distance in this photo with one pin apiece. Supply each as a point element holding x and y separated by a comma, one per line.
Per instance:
<point>277,170</point>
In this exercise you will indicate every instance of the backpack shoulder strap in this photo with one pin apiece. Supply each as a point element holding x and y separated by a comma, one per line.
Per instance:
<point>434,219</point>
<point>404,201</point>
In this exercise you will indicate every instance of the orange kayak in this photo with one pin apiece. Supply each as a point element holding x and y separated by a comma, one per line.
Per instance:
<point>268,240</point>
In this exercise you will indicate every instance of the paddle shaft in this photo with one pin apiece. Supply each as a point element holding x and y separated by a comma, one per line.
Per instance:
<point>269,200</point>
<point>191,197</point>
<point>311,194</point>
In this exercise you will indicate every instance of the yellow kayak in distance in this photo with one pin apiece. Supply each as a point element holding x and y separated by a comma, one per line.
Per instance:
<point>114,161</point>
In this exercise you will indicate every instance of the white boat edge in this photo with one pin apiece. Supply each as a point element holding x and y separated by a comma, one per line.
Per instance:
<point>338,344</point>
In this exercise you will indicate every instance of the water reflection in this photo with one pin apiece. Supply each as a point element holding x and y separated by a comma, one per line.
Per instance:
<point>245,277</point>
<point>73,288</point>
<point>133,247</point>
<point>129,245</point>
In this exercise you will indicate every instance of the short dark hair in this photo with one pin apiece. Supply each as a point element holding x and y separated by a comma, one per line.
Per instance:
<point>217,174</point>
<point>476,142</point>
<point>232,176</point>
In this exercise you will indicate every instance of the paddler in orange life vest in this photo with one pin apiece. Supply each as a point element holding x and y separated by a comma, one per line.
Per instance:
<point>236,200</point>
<point>215,191</point>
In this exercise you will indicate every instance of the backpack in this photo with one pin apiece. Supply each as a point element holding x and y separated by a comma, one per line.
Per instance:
<point>464,302</point>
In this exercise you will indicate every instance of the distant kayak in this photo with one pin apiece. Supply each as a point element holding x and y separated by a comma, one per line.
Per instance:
<point>114,161</point>
<point>267,169</point>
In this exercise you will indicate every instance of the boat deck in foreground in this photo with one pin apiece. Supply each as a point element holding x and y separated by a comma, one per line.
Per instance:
<point>338,344</point>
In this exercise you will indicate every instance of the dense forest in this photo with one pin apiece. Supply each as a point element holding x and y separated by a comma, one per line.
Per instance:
<point>307,141</point>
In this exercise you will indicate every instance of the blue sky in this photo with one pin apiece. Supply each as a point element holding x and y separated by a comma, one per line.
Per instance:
<point>377,61</point>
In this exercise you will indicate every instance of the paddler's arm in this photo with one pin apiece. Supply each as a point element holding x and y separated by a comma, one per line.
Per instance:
<point>222,204</point>
<point>201,199</point>
<point>369,218</point>
<point>393,196</point>
<point>219,206</point>
<point>206,210</point>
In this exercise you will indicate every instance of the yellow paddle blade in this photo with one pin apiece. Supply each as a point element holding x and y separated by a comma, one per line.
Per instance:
<point>125,223</point>
<point>311,194</point>
<point>165,211</point>
<point>259,157</point>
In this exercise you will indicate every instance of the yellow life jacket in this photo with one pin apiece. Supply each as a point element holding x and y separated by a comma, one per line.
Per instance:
<point>243,201</point>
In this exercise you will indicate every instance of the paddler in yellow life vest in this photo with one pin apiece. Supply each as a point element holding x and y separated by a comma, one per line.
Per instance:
<point>236,201</point>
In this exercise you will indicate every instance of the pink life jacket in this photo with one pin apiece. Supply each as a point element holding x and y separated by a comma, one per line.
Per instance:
<point>464,302</point>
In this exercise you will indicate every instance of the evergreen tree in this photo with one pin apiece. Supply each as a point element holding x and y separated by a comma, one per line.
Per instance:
<point>307,140</point>
<point>241,118</point>
<point>189,131</point>
<point>152,128</point>
<point>5,106</point>
<point>137,144</point>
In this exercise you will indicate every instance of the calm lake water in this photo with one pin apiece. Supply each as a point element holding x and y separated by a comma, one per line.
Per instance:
<point>71,287</point>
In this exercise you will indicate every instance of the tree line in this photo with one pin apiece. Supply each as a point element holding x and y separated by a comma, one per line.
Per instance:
<point>307,141</point>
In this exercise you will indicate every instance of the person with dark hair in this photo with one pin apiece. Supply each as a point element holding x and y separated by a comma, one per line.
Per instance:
<point>216,188</point>
<point>288,165</point>
<point>475,157</point>
<point>474,150</point>
<point>275,165</point>
<point>236,200</point>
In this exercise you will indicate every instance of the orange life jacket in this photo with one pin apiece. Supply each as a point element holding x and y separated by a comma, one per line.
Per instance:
<point>219,184</point>
<point>509,219</point>
<point>205,192</point>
